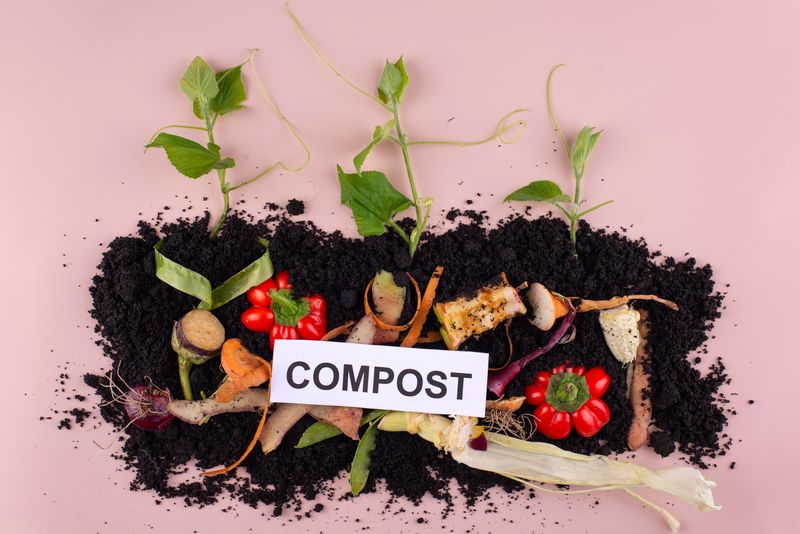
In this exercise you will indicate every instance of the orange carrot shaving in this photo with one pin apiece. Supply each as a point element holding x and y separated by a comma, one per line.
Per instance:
<point>383,325</point>
<point>245,370</point>
<point>253,441</point>
<point>338,331</point>
<point>423,309</point>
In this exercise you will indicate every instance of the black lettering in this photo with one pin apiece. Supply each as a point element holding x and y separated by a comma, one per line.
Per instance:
<point>377,380</point>
<point>461,377</point>
<point>401,387</point>
<point>437,384</point>
<point>354,382</point>
<point>290,371</point>
<point>334,372</point>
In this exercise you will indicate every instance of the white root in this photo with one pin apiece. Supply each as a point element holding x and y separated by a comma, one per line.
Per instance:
<point>196,412</point>
<point>639,432</point>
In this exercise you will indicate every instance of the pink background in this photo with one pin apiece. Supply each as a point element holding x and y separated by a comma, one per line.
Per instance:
<point>699,102</point>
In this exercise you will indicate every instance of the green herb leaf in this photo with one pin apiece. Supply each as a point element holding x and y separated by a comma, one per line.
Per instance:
<point>188,157</point>
<point>380,134</point>
<point>393,82</point>
<point>182,278</point>
<point>372,198</point>
<point>359,470</point>
<point>252,275</point>
<point>199,82</point>
<point>195,284</point>
<point>540,191</point>
<point>320,431</point>
<point>582,147</point>
<point>230,96</point>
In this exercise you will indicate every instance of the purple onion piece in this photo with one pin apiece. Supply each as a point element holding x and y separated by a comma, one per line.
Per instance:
<point>147,407</point>
<point>479,443</point>
<point>499,380</point>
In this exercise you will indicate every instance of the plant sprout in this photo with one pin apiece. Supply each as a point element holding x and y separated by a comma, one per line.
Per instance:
<point>213,95</point>
<point>550,192</point>
<point>369,194</point>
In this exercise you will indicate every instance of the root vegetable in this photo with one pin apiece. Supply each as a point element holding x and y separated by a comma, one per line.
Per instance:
<point>641,404</point>
<point>197,412</point>
<point>147,407</point>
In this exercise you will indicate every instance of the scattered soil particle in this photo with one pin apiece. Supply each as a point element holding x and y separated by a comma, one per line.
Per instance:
<point>135,311</point>
<point>295,207</point>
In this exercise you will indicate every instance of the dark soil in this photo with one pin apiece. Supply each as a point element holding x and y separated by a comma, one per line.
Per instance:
<point>135,311</point>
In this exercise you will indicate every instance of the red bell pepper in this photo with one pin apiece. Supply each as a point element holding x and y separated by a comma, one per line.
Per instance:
<point>276,310</point>
<point>569,397</point>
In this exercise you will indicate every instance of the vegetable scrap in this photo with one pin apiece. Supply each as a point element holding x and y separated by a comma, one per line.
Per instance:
<point>214,432</point>
<point>479,312</point>
<point>528,462</point>
<point>568,397</point>
<point>276,311</point>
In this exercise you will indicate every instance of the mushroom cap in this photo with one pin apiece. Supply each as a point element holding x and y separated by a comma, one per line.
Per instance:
<point>542,307</point>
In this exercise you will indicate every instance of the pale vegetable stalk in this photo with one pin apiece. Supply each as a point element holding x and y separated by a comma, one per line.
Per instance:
<point>529,462</point>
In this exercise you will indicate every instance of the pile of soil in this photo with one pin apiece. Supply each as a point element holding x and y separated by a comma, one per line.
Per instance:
<point>135,312</point>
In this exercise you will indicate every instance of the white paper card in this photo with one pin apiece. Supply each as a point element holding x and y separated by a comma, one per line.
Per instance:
<point>376,376</point>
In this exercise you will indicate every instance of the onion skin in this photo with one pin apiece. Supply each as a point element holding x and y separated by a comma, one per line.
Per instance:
<point>147,407</point>
<point>499,380</point>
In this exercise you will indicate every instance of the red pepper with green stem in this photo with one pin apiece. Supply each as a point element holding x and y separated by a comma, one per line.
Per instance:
<point>568,397</point>
<point>275,310</point>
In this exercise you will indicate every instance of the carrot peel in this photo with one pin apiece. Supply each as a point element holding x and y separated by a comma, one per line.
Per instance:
<point>424,308</point>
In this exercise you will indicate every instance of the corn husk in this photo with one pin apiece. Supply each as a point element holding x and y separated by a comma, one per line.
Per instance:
<point>534,462</point>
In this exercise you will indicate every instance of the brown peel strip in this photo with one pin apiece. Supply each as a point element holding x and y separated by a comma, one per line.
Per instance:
<point>423,309</point>
<point>585,305</point>
<point>260,427</point>
<point>510,349</point>
<point>383,325</point>
<point>338,331</point>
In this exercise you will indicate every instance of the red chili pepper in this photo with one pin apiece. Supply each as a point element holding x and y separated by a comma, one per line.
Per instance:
<point>568,397</point>
<point>276,310</point>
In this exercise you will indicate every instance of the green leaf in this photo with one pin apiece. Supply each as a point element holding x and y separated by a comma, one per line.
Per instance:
<point>380,133</point>
<point>252,275</point>
<point>199,82</point>
<point>372,198</point>
<point>393,82</point>
<point>195,284</point>
<point>582,147</point>
<point>230,96</point>
<point>359,470</point>
<point>182,278</point>
<point>320,431</point>
<point>540,191</point>
<point>188,157</point>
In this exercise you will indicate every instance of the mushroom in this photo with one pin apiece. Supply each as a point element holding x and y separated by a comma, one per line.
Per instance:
<point>545,306</point>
